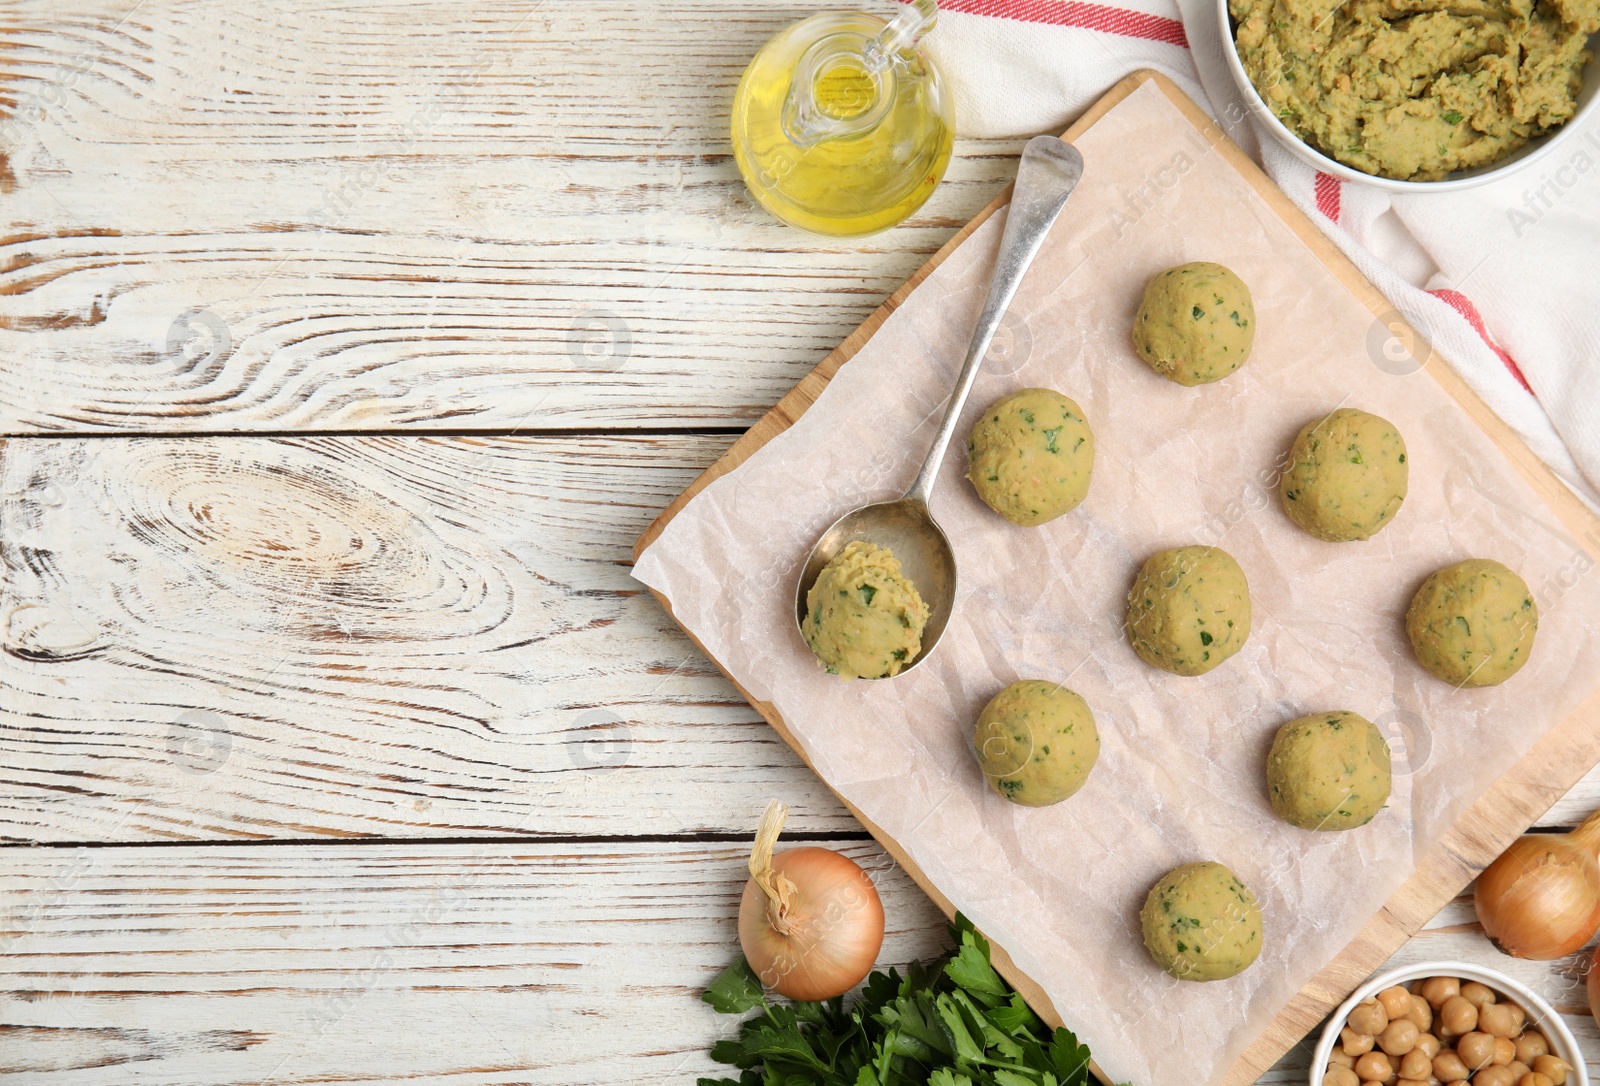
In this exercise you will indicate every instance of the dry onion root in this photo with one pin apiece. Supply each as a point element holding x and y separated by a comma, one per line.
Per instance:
<point>1541,898</point>
<point>811,922</point>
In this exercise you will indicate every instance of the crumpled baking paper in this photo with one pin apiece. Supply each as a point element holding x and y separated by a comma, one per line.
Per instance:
<point>1181,772</point>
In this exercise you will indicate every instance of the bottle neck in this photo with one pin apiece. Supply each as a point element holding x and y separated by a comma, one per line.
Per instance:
<point>837,91</point>
<point>845,82</point>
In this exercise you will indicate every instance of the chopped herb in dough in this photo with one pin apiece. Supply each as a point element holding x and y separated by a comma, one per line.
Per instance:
<point>1184,341</point>
<point>864,618</point>
<point>1030,456</point>
<point>1418,89</point>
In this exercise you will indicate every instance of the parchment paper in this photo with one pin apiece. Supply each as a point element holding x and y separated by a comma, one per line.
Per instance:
<point>1181,770</point>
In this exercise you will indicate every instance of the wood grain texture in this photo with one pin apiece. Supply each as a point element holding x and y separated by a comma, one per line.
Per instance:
<point>254,638</point>
<point>547,964</point>
<point>1522,795</point>
<point>458,964</point>
<point>219,216</point>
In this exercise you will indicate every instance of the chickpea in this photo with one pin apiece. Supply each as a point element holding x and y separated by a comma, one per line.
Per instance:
<point>1447,1066</point>
<point>1399,1037</point>
<point>1354,1042</point>
<point>1438,990</point>
<point>1531,1045</point>
<point>1494,1076</point>
<point>1519,1069</point>
<point>1374,1067</point>
<point>1340,1076</point>
<point>1534,1078</point>
<point>1497,1020</point>
<point>1340,1057</point>
<point>1518,1013</point>
<point>1479,995</point>
<point>1416,986</point>
<point>1458,1016</point>
<point>1428,1045</point>
<point>1396,1002</point>
<point>1368,1016</point>
<point>1476,1050</point>
<point>1421,1014</point>
<point>1505,1050</point>
<point>1412,1082</point>
<point>1553,1068</point>
<point>1416,1064</point>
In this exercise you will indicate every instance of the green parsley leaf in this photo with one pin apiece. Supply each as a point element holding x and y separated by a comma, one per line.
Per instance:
<point>971,970</point>
<point>1069,1058</point>
<point>1014,1017</point>
<point>735,990</point>
<point>950,1022</point>
<point>781,1043</point>
<point>1002,1077</point>
<point>968,1049</point>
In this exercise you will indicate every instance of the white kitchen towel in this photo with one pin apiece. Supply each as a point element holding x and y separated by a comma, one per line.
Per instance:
<point>1504,279</point>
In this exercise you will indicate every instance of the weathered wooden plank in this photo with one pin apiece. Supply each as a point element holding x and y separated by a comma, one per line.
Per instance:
<point>246,637</point>
<point>405,215</point>
<point>541,963</point>
<point>550,964</point>
<point>240,638</point>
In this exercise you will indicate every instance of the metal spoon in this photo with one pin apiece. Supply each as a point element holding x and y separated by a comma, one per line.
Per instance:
<point>1049,171</point>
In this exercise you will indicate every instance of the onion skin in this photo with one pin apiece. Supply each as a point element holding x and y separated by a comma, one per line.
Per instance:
<point>834,920</point>
<point>1541,899</point>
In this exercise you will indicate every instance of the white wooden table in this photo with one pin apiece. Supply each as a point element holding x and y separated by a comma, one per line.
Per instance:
<point>344,350</point>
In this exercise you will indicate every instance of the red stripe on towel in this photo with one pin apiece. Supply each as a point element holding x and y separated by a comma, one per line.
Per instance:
<point>1127,24</point>
<point>1327,191</point>
<point>1469,312</point>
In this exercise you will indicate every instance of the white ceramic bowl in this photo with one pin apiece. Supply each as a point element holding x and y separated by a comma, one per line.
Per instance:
<point>1540,1013</point>
<point>1534,151</point>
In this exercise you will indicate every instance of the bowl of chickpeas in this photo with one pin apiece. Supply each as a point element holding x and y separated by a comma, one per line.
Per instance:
<point>1446,1023</point>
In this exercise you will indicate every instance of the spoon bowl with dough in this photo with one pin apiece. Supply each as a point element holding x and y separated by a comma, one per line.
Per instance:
<point>1048,173</point>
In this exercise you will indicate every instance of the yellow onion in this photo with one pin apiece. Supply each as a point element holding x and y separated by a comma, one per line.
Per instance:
<point>810,923</point>
<point>1541,898</point>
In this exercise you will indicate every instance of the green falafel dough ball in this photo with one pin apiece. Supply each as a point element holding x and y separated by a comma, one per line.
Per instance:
<point>1196,323</point>
<point>1328,771</point>
<point>1030,455</point>
<point>1189,609</point>
<point>1472,624</point>
<point>864,617</point>
<point>1036,742</point>
<point>1201,923</point>
<point>1347,476</point>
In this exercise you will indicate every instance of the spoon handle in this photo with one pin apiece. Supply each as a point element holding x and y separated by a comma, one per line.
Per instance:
<point>1049,172</point>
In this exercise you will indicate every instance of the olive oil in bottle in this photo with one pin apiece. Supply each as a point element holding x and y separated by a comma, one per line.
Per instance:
<point>840,125</point>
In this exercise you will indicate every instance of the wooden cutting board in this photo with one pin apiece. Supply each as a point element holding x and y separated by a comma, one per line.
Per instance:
<point>1505,811</point>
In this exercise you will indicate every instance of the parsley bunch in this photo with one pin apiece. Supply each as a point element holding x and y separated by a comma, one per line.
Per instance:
<point>950,1022</point>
